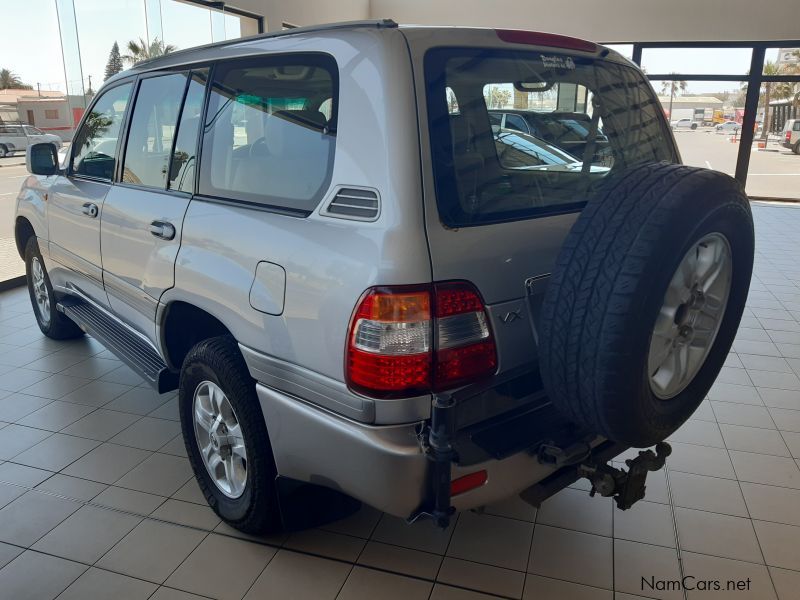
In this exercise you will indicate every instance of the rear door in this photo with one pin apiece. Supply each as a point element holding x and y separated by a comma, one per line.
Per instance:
<point>143,213</point>
<point>502,226</point>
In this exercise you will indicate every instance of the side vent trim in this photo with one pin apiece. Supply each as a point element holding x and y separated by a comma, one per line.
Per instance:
<point>355,204</point>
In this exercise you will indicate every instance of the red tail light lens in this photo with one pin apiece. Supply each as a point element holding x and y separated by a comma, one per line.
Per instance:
<point>788,137</point>
<point>410,340</point>
<point>468,482</point>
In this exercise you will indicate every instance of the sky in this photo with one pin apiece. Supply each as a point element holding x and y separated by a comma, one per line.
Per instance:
<point>32,47</point>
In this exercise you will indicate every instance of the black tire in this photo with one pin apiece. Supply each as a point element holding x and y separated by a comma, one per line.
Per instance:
<point>3,151</point>
<point>796,148</point>
<point>58,326</point>
<point>609,284</point>
<point>219,360</point>
<point>694,125</point>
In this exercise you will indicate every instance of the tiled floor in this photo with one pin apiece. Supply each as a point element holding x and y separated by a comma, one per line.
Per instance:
<point>97,499</point>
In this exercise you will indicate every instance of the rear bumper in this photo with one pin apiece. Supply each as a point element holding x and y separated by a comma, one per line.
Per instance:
<point>383,466</point>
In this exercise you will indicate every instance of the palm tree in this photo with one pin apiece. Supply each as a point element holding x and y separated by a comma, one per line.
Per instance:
<point>770,68</point>
<point>139,50</point>
<point>674,87</point>
<point>9,80</point>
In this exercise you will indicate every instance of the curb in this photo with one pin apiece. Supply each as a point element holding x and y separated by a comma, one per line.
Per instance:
<point>22,164</point>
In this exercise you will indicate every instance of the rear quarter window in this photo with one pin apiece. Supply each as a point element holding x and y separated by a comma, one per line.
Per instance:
<point>270,131</point>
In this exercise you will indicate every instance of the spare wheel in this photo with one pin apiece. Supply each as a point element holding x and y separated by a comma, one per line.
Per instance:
<point>645,300</point>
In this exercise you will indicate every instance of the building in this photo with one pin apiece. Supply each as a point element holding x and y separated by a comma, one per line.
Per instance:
<point>47,110</point>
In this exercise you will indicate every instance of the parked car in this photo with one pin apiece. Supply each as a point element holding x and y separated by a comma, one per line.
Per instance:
<point>566,130</point>
<point>729,127</point>
<point>17,138</point>
<point>791,135</point>
<point>684,124</point>
<point>314,237</point>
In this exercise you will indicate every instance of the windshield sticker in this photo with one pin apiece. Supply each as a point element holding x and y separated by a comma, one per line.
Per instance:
<point>558,62</point>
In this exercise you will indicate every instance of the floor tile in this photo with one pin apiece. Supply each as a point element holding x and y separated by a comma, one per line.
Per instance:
<point>481,577</point>
<point>360,524</point>
<point>572,556</point>
<point>695,431</point>
<point>754,439</point>
<point>400,560</point>
<point>92,367</point>
<point>55,452</point>
<point>765,363</point>
<point>71,487</point>
<point>786,583</point>
<point>165,593</point>
<point>712,494</point>
<point>545,588</point>
<point>56,415</point>
<point>326,543</point>
<point>762,348</point>
<point>16,438</point>
<point>31,516</point>
<point>492,540</point>
<point>187,513</point>
<point>130,501</point>
<point>190,492</point>
<point>152,550</point>
<point>97,583</point>
<point>299,577</point>
<point>761,468</point>
<point>362,583</point>
<point>728,392</point>
<point>775,398</point>
<point>106,463</point>
<point>101,425</point>
<point>646,522</point>
<point>9,493</point>
<point>55,386</point>
<point>175,446</point>
<point>771,379</point>
<point>35,576</point>
<point>786,420</point>
<point>780,544</point>
<point>736,376</point>
<point>148,433</point>
<point>702,567</point>
<point>575,509</point>
<point>87,534</point>
<point>513,508</point>
<point>241,562</point>
<point>718,535</point>
<point>97,393</point>
<point>638,568</point>
<point>422,535</point>
<point>138,400</point>
<point>9,553</point>
<point>449,592</point>
<point>701,460</point>
<point>123,375</point>
<point>792,441</point>
<point>22,378</point>
<point>56,362</point>
<point>160,474</point>
<point>742,414</point>
<point>168,410</point>
<point>16,405</point>
<point>23,475</point>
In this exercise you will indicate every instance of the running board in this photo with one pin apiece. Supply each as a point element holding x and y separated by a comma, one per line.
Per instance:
<point>127,346</point>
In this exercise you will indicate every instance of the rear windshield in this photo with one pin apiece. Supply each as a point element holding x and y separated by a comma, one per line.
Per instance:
<point>516,135</point>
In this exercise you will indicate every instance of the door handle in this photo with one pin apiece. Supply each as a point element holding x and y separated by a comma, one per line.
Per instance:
<point>162,229</point>
<point>90,210</point>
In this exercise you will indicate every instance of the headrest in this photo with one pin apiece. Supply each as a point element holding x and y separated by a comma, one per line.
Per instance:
<point>290,132</point>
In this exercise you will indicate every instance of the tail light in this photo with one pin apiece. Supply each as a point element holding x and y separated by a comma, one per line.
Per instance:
<point>537,38</point>
<point>788,137</point>
<point>409,340</point>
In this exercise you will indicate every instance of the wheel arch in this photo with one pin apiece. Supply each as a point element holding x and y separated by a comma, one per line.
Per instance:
<point>183,325</point>
<point>23,231</point>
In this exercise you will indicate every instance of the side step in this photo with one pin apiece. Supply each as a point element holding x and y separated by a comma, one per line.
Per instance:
<point>127,346</point>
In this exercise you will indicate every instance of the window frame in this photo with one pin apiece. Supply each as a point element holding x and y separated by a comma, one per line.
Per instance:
<point>325,60</point>
<point>182,70</point>
<point>70,170</point>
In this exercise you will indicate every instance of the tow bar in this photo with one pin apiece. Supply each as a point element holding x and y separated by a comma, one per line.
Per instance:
<point>626,487</point>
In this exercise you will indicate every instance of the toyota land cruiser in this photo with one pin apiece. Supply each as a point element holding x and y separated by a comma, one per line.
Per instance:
<point>355,281</point>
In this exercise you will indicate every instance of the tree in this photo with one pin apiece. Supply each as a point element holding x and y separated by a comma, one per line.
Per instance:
<point>139,50</point>
<point>498,97</point>
<point>114,64</point>
<point>9,81</point>
<point>674,87</point>
<point>770,68</point>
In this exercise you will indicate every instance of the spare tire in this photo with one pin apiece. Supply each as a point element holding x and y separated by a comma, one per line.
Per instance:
<point>645,300</point>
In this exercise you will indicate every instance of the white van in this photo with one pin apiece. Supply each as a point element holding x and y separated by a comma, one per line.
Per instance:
<point>791,135</point>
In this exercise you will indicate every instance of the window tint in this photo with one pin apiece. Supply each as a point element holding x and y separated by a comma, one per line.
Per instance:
<point>182,170</point>
<point>586,122</point>
<point>95,146</point>
<point>152,129</point>
<point>34,131</point>
<point>796,126</point>
<point>267,137</point>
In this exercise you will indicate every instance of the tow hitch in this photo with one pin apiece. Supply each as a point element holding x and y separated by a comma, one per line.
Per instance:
<point>626,487</point>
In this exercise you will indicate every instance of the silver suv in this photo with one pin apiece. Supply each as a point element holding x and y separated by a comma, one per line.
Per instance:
<point>17,137</point>
<point>357,283</point>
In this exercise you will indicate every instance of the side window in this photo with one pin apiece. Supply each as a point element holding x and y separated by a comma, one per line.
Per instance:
<point>95,146</point>
<point>269,137</point>
<point>184,158</point>
<point>796,125</point>
<point>516,123</point>
<point>152,129</point>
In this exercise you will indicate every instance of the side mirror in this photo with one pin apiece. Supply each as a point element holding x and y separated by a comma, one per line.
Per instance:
<point>42,159</point>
